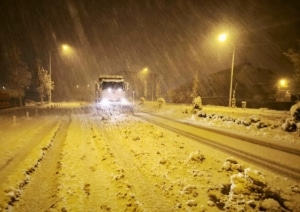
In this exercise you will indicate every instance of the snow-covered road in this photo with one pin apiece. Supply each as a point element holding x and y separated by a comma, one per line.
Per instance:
<point>117,162</point>
<point>279,158</point>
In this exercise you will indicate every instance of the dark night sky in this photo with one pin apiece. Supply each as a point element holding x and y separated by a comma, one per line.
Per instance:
<point>175,38</point>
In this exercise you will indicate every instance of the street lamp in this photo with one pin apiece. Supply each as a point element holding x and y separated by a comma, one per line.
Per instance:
<point>152,79</point>
<point>282,83</point>
<point>283,92</point>
<point>222,38</point>
<point>50,81</point>
<point>65,48</point>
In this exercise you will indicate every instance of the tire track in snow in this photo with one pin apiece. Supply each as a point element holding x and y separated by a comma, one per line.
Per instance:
<point>16,187</point>
<point>46,172</point>
<point>123,197</point>
<point>142,185</point>
<point>89,178</point>
<point>21,140</point>
<point>273,157</point>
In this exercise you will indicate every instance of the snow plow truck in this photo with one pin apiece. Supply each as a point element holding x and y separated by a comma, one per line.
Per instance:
<point>111,93</point>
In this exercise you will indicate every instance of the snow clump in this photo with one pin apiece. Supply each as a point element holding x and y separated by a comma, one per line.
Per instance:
<point>197,156</point>
<point>231,164</point>
<point>248,190</point>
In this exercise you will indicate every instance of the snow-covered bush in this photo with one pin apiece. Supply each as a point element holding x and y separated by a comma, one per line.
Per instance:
<point>292,124</point>
<point>197,103</point>
<point>262,124</point>
<point>202,114</point>
<point>246,121</point>
<point>289,125</point>
<point>254,119</point>
<point>142,100</point>
<point>161,101</point>
<point>295,112</point>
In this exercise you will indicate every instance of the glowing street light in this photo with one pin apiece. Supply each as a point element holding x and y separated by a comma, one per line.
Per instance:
<point>283,91</point>
<point>223,38</point>
<point>65,48</point>
<point>283,83</point>
<point>145,71</point>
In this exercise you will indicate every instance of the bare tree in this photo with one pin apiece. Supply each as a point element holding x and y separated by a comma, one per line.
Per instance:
<point>19,77</point>
<point>294,57</point>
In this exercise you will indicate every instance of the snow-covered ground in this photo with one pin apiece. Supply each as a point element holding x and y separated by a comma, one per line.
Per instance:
<point>115,162</point>
<point>260,123</point>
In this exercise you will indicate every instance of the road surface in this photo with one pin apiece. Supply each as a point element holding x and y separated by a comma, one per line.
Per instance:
<point>83,160</point>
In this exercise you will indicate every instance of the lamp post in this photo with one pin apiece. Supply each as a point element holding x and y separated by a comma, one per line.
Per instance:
<point>231,77</point>
<point>152,86</point>
<point>145,72</point>
<point>50,77</point>
<point>283,93</point>
<point>222,38</point>
<point>65,48</point>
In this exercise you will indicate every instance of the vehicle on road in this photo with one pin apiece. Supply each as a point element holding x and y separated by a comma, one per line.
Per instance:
<point>111,93</point>
<point>10,98</point>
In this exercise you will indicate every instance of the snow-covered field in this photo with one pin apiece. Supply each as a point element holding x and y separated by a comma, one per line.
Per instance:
<point>116,162</point>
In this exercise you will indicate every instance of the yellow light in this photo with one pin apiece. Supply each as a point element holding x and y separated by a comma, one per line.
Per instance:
<point>145,70</point>
<point>222,37</point>
<point>282,82</point>
<point>67,50</point>
<point>65,47</point>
